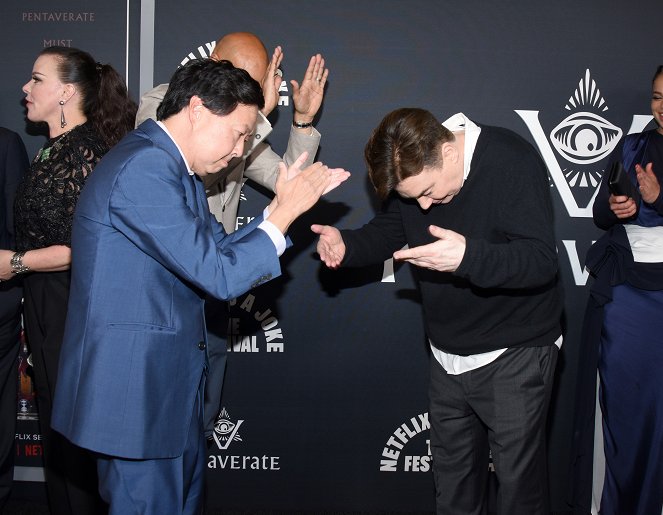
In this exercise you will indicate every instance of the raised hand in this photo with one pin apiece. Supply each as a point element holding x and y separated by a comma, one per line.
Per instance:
<point>650,189</point>
<point>307,98</point>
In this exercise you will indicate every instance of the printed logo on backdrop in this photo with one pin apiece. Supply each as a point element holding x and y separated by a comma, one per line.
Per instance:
<point>253,326</point>
<point>226,431</point>
<point>575,149</point>
<point>225,434</point>
<point>408,448</point>
<point>57,17</point>
<point>243,220</point>
<point>28,445</point>
<point>206,49</point>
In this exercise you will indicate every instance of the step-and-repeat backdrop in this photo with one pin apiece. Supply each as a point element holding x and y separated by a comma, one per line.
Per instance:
<point>325,400</point>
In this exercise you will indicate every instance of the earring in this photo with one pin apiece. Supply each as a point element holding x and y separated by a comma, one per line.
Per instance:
<point>63,122</point>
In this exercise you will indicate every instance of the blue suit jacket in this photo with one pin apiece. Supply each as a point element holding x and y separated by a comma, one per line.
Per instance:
<point>145,250</point>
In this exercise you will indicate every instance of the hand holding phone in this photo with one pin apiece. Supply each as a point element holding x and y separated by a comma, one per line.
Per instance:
<point>620,185</point>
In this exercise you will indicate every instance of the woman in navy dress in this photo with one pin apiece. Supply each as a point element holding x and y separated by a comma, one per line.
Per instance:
<point>627,263</point>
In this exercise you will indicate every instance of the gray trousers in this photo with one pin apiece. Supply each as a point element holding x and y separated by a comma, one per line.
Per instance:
<point>501,408</point>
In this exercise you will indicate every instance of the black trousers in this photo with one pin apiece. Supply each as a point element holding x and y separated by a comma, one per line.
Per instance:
<point>10,327</point>
<point>499,408</point>
<point>71,473</point>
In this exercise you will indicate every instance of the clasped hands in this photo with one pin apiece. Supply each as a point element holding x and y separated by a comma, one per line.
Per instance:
<point>297,189</point>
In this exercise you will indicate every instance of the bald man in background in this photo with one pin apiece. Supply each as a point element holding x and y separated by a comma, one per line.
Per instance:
<point>259,163</point>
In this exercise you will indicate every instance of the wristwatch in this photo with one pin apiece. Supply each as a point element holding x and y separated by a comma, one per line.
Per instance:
<point>302,125</point>
<point>17,265</point>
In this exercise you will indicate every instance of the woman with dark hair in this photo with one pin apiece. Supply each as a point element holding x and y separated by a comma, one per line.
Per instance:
<point>624,320</point>
<point>87,109</point>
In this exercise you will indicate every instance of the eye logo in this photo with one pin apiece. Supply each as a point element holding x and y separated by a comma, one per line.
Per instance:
<point>585,138</point>
<point>582,139</point>
<point>225,430</point>
<point>224,427</point>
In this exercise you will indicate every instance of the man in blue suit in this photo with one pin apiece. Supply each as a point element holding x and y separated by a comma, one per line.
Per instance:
<point>145,252</point>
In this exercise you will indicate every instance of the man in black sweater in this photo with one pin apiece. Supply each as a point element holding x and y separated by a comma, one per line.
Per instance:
<point>473,205</point>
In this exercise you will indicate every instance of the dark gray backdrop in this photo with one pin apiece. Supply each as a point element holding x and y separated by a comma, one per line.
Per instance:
<point>312,419</point>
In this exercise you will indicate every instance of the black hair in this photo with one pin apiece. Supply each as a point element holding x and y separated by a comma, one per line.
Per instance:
<point>219,85</point>
<point>105,101</point>
<point>659,71</point>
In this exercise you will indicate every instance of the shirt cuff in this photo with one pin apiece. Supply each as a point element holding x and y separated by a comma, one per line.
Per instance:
<point>274,234</point>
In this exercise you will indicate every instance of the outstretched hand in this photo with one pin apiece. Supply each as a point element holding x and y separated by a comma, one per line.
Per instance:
<point>307,98</point>
<point>330,245</point>
<point>443,255</point>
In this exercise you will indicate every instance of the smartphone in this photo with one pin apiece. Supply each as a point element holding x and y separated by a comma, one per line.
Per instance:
<point>620,184</point>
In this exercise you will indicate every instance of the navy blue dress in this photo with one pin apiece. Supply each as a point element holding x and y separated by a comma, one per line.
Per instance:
<point>624,326</point>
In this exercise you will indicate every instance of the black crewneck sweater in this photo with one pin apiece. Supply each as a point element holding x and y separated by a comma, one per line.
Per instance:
<point>506,292</point>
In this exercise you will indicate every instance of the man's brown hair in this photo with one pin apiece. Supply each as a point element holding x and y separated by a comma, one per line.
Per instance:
<point>405,141</point>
